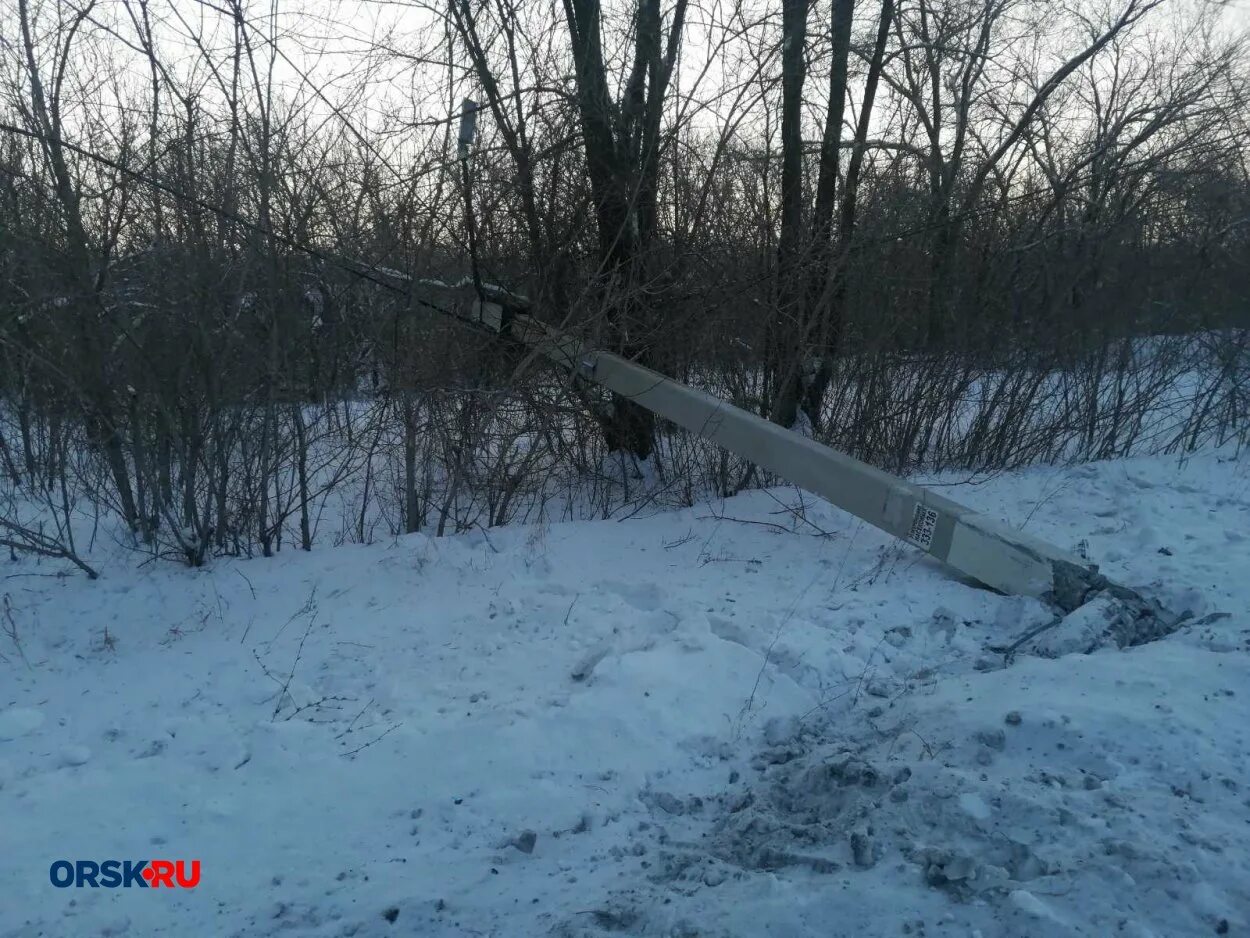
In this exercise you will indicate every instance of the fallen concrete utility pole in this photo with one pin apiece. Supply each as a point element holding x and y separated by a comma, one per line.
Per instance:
<point>981,548</point>
<point>986,550</point>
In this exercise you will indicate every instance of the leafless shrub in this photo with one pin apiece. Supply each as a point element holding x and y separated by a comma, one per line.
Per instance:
<point>207,334</point>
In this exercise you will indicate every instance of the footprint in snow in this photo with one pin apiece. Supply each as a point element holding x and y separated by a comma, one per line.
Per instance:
<point>644,597</point>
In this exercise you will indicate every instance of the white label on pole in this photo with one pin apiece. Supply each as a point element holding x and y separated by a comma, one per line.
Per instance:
<point>923,522</point>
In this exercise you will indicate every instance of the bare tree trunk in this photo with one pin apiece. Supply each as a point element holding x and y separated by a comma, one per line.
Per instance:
<point>301,468</point>
<point>833,287</point>
<point>412,505</point>
<point>28,441</point>
<point>9,465</point>
<point>623,164</point>
<point>788,325</point>
<point>137,447</point>
<point>100,419</point>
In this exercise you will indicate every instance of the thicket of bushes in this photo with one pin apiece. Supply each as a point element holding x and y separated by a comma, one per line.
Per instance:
<point>171,354</point>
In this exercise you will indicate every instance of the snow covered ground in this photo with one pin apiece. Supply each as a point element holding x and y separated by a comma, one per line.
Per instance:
<point>736,720</point>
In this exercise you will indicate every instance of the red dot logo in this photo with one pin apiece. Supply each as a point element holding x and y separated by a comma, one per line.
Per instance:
<point>149,873</point>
